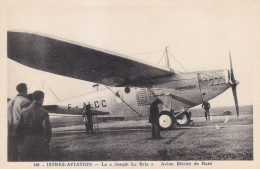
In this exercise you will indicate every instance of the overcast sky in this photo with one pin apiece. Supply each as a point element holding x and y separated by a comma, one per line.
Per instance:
<point>198,33</point>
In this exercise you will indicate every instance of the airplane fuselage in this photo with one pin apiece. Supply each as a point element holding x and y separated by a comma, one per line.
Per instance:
<point>178,92</point>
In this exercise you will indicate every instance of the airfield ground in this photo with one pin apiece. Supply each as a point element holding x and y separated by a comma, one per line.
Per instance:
<point>223,138</point>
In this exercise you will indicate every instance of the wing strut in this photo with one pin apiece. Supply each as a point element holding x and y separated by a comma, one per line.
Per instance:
<point>157,97</point>
<point>167,59</point>
<point>178,62</point>
<point>52,92</point>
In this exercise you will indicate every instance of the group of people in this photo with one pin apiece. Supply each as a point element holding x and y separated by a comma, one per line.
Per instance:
<point>29,127</point>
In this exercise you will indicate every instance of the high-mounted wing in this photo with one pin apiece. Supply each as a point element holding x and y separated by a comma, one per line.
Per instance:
<point>79,61</point>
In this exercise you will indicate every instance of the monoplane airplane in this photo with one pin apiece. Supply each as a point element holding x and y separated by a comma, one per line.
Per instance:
<point>131,85</point>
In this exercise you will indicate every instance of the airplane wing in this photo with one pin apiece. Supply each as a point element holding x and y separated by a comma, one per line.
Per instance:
<point>80,61</point>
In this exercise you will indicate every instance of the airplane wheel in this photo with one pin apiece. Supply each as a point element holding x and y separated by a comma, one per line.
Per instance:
<point>166,120</point>
<point>183,119</point>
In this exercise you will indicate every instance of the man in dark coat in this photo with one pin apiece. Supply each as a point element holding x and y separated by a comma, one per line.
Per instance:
<point>154,119</point>
<point>206,107</point>
<point>87,115</point>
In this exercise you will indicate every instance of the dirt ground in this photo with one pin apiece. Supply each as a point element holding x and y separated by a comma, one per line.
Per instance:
<point>223,138</point>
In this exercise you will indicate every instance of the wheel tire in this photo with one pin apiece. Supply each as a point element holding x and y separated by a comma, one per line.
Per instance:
<point>166,120</point>
<point>184,119</point>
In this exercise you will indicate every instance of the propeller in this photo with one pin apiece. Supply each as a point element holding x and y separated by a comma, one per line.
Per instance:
<point>233,83</point>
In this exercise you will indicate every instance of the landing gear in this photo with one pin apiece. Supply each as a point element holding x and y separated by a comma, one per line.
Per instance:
<point>166,120</point>
<point>183,119</point>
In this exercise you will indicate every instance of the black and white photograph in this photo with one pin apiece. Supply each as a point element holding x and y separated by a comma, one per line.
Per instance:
<point>151,84</point>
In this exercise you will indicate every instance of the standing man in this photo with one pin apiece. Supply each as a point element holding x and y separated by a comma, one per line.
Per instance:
<point>15,106</point>
<point>34,129</point>
<point>87,115</point>
<point>154,119</point>
<point>206,107</point>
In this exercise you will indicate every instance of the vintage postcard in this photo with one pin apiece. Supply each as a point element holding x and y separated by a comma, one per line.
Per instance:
<point>130,84</point>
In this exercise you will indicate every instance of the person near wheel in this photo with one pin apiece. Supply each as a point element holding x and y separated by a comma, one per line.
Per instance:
<point>154,119</point>
<point>206,107</point>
